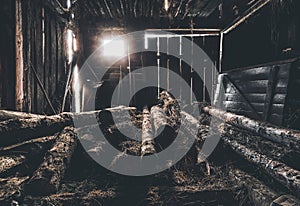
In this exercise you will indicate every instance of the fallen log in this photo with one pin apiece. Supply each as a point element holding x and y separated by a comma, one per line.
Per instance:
<point>6,115</point>
<point>32,141</point>
<point>164,132</point>
<point>18,130</point>
<point>171,108</point>
<point>264,146</point>
<point>259,193</point>
<point>46,179</point>
<point>147,135</point>
<point>11,186</point>
<point>159,119</point>
<point>282,173</point>
<point>8,162</point>
<point>190,124</point>
<point>26,157</point>
<point>286,137</point>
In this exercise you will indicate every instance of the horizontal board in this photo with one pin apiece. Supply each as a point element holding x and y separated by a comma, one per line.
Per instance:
<point>279,99</point>
<point>244,112</point>
<point>249,90</point>
<point>259,107</point>
<point>254,98</point>
<point>250,74</point>
<point>277,108</point>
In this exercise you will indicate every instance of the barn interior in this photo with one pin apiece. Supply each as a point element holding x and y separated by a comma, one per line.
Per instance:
<point>197,98</point>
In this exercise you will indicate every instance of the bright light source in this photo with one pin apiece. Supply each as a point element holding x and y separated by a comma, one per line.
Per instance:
<point>114,47</point>
<point>76,89</point>
<point>70,45</point>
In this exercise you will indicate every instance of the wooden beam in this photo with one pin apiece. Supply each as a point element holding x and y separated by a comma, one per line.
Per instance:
<point>260,4</point>
<point>19,57</point>
<point>282,136</point>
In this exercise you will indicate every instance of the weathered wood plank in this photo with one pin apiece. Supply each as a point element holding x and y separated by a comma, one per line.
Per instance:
<point>254,98</point>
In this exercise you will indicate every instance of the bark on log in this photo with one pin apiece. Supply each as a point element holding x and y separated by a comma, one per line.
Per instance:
<point>147,134</point>
<point>46,179</point>
<point>16,130</point>
<point>33,141</point>
<point>282,173</point>
<point>9,161</point>
<point>159,119</point>
<point>6,115</point>
<point>164,132</point>
<point>264,146</point>
<point>11,186</point>
<point>116,115</point>
<point>190,124</point>
<point>259,193</point>
<point>171,108</point>
<point>286,137</point>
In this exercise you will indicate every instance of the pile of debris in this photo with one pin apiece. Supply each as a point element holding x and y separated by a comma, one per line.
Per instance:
<point>45,160</point>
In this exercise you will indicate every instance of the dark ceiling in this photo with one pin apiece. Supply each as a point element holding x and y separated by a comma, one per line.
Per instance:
<point>163,13</point>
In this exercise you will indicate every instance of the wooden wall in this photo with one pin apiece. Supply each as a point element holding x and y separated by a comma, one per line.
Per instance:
<point>43,53</point>
<point>263,92</point>
<point>42,61</point>
<point>7,54</point>
<point>272,34</point>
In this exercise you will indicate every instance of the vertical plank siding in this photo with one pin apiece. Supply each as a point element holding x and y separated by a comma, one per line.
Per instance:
<point>45,55</point>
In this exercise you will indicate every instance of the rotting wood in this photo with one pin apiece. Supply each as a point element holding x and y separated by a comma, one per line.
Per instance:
<point>283,136</point>
<point>147,134</point>
<point>282,173</point>
<point>46,179</point>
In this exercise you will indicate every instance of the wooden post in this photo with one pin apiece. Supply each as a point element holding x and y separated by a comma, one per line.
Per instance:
<point>221,52</point>
<point>19,57</point>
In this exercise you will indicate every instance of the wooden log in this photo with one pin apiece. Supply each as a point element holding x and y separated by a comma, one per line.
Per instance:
<point>46,179</point>
<point>283,136</point>
<point>16,130</point>
<point>10,161</point>
<point>259,193</point>
<point>32,141</point>
<point>11,186</point>
<point>6,115</point>
<point>164,132</point>
<point>171,108</point>
<point>116,115</point>
<point>190,124</point>
<point>147,134</point>
<point>282,173</point>
<point>23,157</point>
<point>159,119</point>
